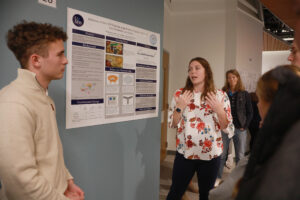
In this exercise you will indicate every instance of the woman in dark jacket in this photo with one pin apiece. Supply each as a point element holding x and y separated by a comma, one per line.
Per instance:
<point>241,110</point>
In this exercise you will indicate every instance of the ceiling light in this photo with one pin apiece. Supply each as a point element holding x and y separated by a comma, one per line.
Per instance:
<point>288,39</point>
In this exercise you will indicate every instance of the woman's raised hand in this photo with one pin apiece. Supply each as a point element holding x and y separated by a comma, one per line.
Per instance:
<point>184,99</point>
<point>214,103</point>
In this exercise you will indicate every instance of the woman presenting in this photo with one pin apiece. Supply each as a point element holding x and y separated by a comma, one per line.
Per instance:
<point>198,112</point>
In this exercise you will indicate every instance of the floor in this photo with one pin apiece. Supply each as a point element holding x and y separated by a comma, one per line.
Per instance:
<point>166,174</point>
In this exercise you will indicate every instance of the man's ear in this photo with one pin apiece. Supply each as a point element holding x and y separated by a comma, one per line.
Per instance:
<point>35,61</point>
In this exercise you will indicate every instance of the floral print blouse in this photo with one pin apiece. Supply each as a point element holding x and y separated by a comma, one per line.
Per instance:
<point>198,132</point>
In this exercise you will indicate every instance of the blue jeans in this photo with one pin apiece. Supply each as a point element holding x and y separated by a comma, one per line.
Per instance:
<point>239,141</point>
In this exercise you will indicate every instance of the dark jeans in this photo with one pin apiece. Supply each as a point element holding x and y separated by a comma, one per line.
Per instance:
<point>183,171</point>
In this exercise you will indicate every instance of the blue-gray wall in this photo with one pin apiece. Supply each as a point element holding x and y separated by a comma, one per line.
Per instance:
<point>113,161</point>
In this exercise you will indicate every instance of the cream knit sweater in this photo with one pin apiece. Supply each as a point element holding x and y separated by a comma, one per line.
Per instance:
<point>31,156</point>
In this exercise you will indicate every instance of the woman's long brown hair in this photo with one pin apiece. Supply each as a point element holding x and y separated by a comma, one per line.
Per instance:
<point>209,85</point>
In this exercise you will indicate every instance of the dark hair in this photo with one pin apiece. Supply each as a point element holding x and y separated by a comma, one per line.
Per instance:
<point>239,85</point>
<point>267,85</point>
<point>253,96</point>
<point>209,81</point>
<point>27,38</point>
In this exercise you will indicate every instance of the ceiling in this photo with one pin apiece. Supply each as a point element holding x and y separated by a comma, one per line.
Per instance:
<point>280,18</point>
<point>283,9</point>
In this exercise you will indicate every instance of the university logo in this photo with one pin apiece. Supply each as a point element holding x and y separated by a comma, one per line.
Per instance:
<point>153,39</point>
<point>78,20</point>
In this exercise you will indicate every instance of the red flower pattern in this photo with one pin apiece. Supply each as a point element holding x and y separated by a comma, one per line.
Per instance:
<point>207,143</point>
<point>178,93</point>
<point>200,117</point>
<point>193,119</point>
<point>192,106</point>
<point>189,143</point>
<point>177,142</point>
<point>200,126</point>
<point>194,157</point>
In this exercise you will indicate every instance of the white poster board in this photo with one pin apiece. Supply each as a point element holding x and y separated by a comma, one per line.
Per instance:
<point>113,71</point>
<point>249,79</point>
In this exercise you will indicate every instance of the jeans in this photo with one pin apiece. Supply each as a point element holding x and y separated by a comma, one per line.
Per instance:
<point>183,172</point>
<point>239,141</point>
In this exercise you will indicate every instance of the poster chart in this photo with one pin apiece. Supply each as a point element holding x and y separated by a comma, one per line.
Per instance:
<point>249,79</point>
<point>113,71</point>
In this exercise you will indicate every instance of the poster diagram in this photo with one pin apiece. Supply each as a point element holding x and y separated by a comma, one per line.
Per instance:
<point>113,71</point>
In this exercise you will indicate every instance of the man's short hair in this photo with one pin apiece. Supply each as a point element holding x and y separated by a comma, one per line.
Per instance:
<point>27,38</point>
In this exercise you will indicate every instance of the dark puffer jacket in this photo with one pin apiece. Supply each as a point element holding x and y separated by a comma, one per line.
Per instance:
<point>273,168</point>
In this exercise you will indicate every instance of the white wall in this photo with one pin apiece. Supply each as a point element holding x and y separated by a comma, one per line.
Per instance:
<point>197,35</point>
<point>249,49</point>
<point>231,32</point>
<point>249,43</point>
<point>271,59</point>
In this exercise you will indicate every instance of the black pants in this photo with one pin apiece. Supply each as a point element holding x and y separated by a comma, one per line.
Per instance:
<point>183,172</point>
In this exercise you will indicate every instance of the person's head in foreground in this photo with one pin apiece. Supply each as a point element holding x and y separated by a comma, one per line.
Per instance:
<point>267,175</point>
<point>266,90</point>
<point>294,56</point>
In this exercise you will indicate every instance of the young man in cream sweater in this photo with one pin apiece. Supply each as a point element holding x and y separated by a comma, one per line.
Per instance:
<point>32,165</point>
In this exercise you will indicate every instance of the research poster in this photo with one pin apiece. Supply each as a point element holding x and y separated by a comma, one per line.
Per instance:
<point>113,71</point>
<point>249,79</point>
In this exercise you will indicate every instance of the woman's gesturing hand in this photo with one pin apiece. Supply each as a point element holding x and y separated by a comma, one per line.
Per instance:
<point>183,100</point>
<point>214,103</point>
<point>217,107</point>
